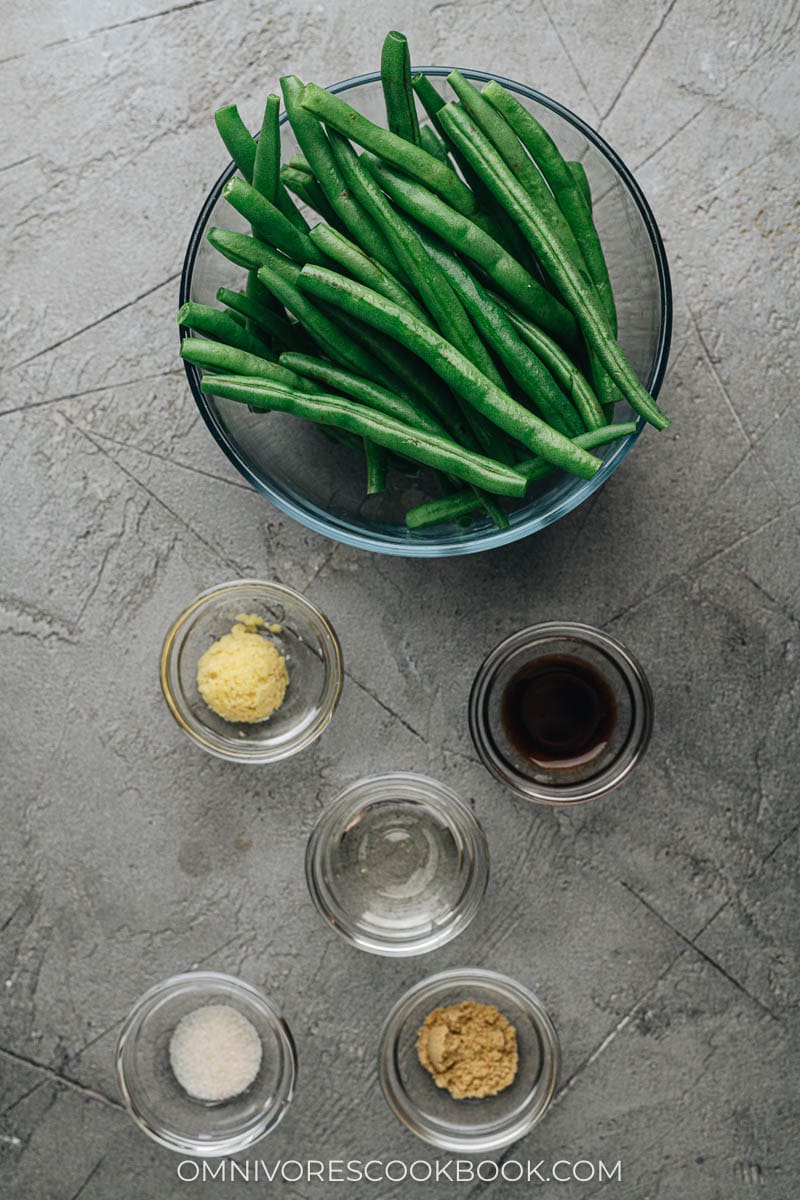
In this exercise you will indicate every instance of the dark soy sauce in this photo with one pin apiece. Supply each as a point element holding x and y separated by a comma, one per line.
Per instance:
<point>558,711</point>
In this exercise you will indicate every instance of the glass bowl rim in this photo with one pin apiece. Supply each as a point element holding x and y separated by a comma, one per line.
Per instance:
<point>503,986</point>
<point>611,776</point>
<point>471,897</point>
<point>231,1143</point>
<point>334,680</point>
<point>340,529</point>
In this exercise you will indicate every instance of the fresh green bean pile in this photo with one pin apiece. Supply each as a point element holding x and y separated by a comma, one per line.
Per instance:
<point>452,306</point>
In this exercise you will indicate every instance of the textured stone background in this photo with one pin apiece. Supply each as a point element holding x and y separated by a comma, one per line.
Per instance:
<point>659,924</point>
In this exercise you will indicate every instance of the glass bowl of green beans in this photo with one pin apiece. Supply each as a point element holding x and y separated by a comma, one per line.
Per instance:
<point>318,480</point>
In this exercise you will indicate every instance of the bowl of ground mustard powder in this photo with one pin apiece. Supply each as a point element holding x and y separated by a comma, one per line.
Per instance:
<point>469,1060</point>
<point>252,671</point>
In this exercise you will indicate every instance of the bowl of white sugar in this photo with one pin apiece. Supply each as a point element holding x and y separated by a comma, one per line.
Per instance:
<point>206,1064</point>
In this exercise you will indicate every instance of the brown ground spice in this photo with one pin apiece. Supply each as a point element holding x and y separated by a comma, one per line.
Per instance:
<point>469,1048</point>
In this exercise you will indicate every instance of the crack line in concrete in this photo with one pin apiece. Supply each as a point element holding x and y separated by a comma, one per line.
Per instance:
<point>781,842</point>
<point>396,716</point>
<point>57,1077</point>
<point>173,462</point>
<point>637,63</point>
<point>565,47</point>
<point>162,503</point>
<point>93,391</point>
<point>706,957</point>
<point>89,1178</point>
<point>90,33</point>
<point>71,336</point>
<point>39,1083</point>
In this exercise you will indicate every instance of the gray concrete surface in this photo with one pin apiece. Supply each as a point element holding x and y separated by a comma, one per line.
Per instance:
<point>659,925</point>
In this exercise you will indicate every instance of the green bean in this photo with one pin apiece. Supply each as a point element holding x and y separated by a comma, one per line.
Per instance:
<point>376,460</point>
<point>267,162</point>
<point>217,357</point>
<point>575,286</point>
<point>237,138</point>
<point>308,190</point>
<point>315,146</point>
<point>491,508</point>
<point>428,280</point>
<point>214,356</point>
<point>561,367</point>
<point>456,370</point>
<point>497,223</point>
<point>537,468</point>
<point>513,151</point>
<point>568,195</point>
<point>220,325</point>
<point>289,209</point>
<point>430,141</point>
<point>260,296</point>
<point>514,154</point>
<point>401,113</point>
<point>426,448</point>
<point>363,268</point>
<point>242,148</point>
<point>520,361</point>
<point>250,314</point>
<point>363,390</point>
<point>449,508</point>
<point>331,337</point>
<point>356,346</point>
<point>464,236</point>
<point>415,161</point>
<point>268,222</point>
<point>432,100</point>
<point>605,389</point>
<point>576,211</point>
<point>429,96</point>
<point>300,163</point>
<point>250,253</point>
<point>582,179</point>
<point>286,335</point>
<point>445,508</point>
<point>405,375</point>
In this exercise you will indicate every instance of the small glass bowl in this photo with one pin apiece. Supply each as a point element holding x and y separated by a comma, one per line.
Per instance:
<point>469,1126</point>
<point>397,864</point>
<point>158,1104</point>
<point>305,638</point>
<point>629,736</point>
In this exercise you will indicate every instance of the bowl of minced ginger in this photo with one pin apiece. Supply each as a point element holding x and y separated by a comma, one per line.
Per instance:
<point>252,671</point>
<point>470,1049</point>
<point>242,677</point>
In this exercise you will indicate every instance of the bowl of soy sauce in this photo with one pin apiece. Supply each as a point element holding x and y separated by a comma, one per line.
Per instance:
<point>560,713</point>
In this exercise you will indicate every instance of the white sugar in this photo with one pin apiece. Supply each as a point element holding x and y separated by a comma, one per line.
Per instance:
<point>215,1052</point>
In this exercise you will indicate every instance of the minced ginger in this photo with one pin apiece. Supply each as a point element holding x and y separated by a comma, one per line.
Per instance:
<point>469,1048</point>
<point>242,677</point>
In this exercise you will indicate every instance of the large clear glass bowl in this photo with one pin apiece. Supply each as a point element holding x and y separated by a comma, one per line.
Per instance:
<point>321,484</point>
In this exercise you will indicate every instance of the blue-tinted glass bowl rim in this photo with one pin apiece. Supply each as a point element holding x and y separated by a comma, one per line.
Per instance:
<point>340,529</point>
